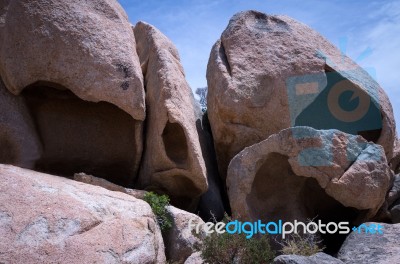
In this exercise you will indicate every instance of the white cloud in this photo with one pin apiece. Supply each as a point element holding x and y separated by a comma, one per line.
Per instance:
<point>382,35</point>
<point>195,25</point>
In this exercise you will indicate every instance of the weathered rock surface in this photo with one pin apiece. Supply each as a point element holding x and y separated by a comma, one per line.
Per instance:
<point>48,219</point>
<point>80,136</point>
<point>76,67</point>
<point>393,200</point>
<point>195,258</point>
<point>395,161</point>
<point>19,142</point>
<point>181,241</point>
<point>302,173</point>
<point>268,73</point>
<point>172,160</point>
<point>319,258</point>
<point>372,248</point>
<point>90,179</point>
<point>87,47</point>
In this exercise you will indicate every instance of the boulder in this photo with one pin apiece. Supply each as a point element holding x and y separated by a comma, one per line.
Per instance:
<point>76,67</point>
<point>181,241</point>
<point>268,73</point>
<point>195,258</point>
<point>19,142</point>
<point>172,161</point>
<point>302,173</point>
<point>319,258</point>
<point>49,219</point>
<point>87,47</point>
<point>394,192</point>
<point>370,248</point>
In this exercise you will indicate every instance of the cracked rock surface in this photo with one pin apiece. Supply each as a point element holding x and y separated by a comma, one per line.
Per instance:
<point>49,219</point>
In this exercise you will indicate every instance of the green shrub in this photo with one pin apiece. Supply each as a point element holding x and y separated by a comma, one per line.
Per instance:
<point>236,248</point>
<point>158,204</point>
<point>305,245</point>
<point>228,248</point>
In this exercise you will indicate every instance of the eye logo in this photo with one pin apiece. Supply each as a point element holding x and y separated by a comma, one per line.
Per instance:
<point>334,105</point>
<point>346,100</point>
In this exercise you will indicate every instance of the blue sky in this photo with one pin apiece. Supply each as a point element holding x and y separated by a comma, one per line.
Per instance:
<point>357,26</point>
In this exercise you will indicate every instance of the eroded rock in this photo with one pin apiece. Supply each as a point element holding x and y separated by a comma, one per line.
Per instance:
<point>49,219</point>
<point>268,73</point>
<point>85,46</point>
<point>19,142</point>
<point>195,258</point>
<point>372,248</point>
<point>75,65</point>
<point>172,160</point>
<point>181,241</point>
<point>302,173</point>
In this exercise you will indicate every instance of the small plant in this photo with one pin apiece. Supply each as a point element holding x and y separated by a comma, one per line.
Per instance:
<point>236,248</point>
<point>305,245</point>
<point>228,248</point>
<point>158,204</point>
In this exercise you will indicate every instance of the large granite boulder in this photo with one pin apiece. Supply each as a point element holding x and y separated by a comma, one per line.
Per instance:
<point>74,63</point>
<point>307,166</point>
<point>172,161</point>
<point>301,173</point>
<point>372,248</point>
<point>180,240</point>
<point>268,73</point>
<point>87,47</point>
<point>49,219</point>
